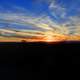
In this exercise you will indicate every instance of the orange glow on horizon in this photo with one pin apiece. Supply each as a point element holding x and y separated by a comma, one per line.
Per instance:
<point>47,39</point>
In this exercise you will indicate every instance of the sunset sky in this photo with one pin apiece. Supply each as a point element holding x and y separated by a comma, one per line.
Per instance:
<point>40,16</point>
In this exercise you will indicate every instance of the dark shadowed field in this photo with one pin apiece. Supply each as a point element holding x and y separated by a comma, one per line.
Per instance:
<point>37,60</point>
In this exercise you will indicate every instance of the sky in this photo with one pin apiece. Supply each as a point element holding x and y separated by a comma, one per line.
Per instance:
<point>41,15</point>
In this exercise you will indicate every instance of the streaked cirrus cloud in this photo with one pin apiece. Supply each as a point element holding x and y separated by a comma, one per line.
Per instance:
<point>19,16</point>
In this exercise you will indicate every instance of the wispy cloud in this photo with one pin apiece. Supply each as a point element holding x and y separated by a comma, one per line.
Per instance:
<point>73,24</point>
<point>43,23</point>
<point>57,10</point>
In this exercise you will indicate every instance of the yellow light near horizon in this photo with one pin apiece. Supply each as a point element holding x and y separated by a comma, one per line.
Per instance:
<point>48,36</point>
<point>53,37</point>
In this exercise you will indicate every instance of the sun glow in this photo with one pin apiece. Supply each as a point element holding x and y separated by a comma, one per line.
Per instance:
<point>53,37</point>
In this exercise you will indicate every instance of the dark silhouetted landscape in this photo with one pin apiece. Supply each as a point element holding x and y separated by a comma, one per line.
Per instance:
<point>36,59</point>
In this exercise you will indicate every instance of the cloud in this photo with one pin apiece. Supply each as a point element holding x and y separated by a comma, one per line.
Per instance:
<point>73,24</point>
<point>57,10</point>
<point>41,23</point>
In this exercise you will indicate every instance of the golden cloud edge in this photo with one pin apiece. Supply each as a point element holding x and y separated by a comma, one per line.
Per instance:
<point>58,38</point>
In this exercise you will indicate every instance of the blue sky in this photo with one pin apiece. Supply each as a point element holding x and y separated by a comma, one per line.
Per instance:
<point>59,11</point>
<point>40,6</point>
<point>33,6</point>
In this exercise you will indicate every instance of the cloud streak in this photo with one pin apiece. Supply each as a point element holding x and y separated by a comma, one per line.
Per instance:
<point>57,10</point>
<point>40,24</point>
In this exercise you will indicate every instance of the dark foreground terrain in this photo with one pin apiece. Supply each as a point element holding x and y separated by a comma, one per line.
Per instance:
<point>29,61</point>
